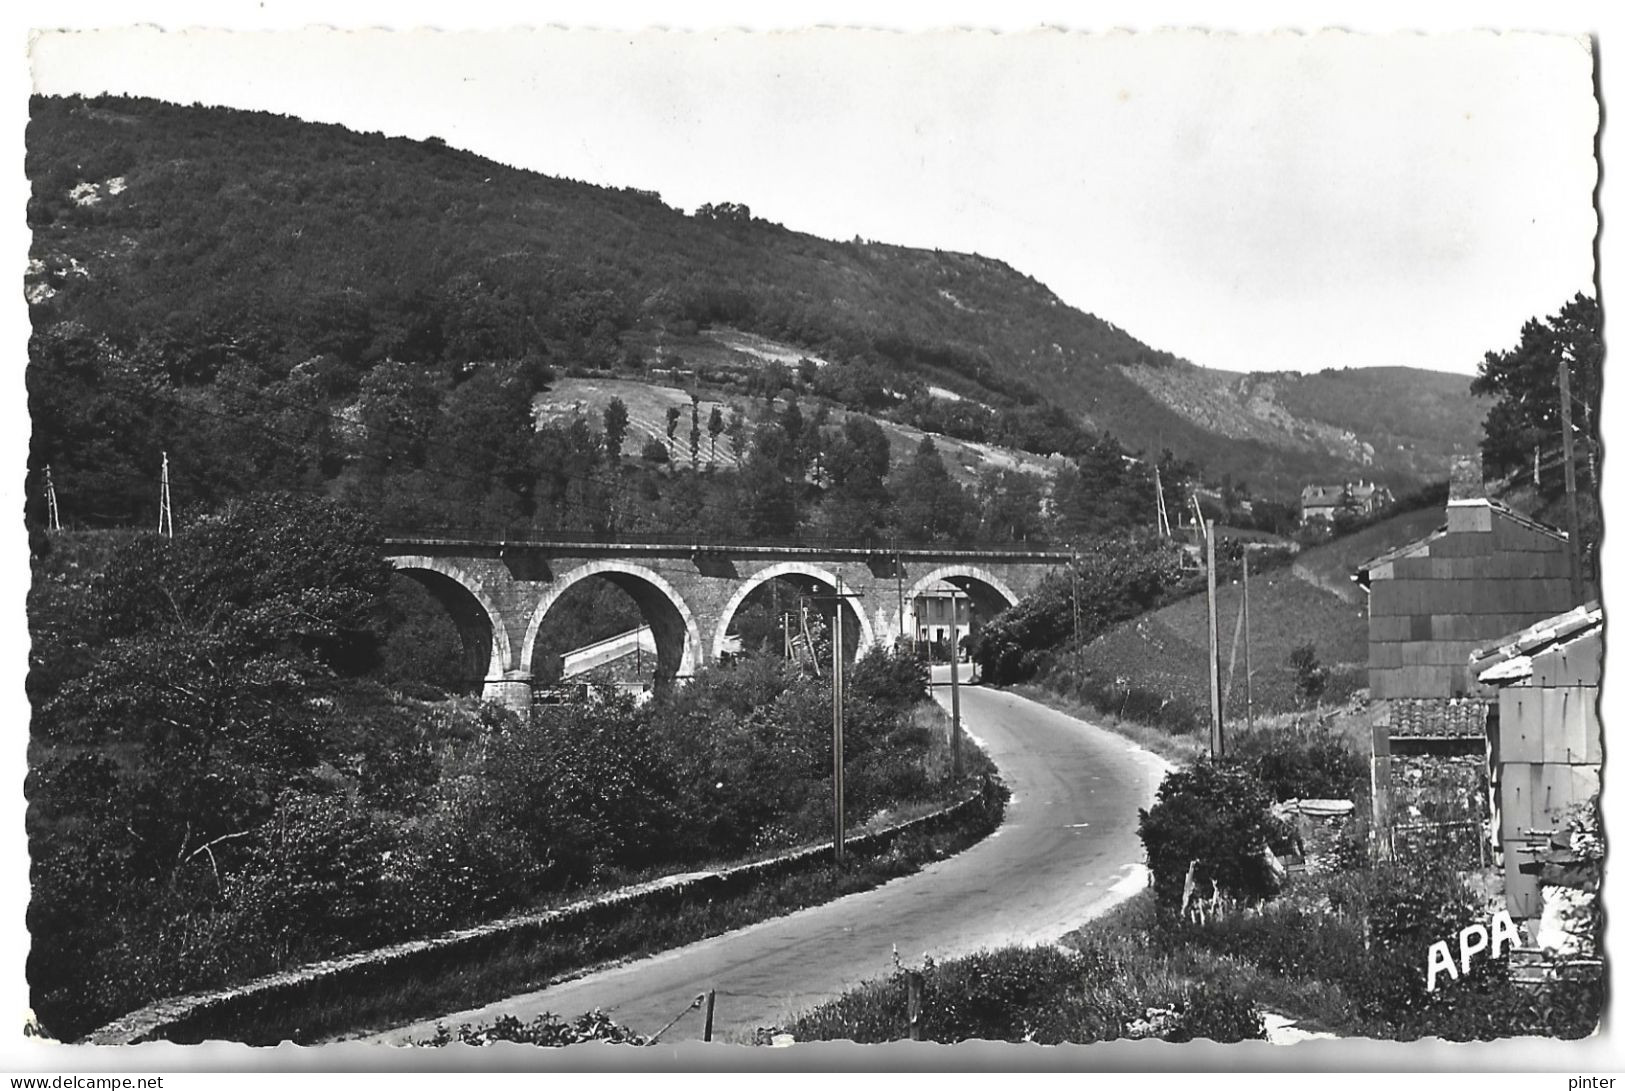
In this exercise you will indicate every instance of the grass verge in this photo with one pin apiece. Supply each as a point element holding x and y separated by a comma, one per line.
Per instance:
<point>1180,749</point>
<point>1313,1004</point>
<point>393,995</point>
<point>1093,991</point>
<point>1334,967</point>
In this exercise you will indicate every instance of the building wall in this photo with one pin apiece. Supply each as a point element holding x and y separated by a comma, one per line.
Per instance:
<point>1547,754</point>
<point>1487,576</point>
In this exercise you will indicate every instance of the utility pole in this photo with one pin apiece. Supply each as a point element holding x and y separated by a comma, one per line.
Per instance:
<point>1246,638</point>
<point>1216,735</point>
<point>166,518</point>
<point>1576,577</point>
<point>838,678</point>
<point>53,519</point>
<point>838,712</point>
<point>953,677</point>
<point>1077,614</point>
<point>897,570</point>
<point>1163,529</point>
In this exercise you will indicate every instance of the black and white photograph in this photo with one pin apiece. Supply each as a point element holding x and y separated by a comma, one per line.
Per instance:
<point>559,540</point>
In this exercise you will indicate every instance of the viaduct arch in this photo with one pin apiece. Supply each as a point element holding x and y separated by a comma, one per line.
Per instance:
<point>498,593</point>
<point>487,653</point>
<point>678,644</point>
<point>782,570</point>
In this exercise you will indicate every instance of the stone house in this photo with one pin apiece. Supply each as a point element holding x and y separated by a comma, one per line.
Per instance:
<point>1487,572</point>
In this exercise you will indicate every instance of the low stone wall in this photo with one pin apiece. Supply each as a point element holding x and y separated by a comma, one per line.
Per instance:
<point>209,1015</point>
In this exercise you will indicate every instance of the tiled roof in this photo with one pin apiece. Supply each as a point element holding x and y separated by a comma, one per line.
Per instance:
<point>1437,717</point>
<point>1512,658</point>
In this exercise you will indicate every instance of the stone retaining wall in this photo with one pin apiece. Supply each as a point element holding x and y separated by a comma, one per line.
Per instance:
<point>209,1015</point>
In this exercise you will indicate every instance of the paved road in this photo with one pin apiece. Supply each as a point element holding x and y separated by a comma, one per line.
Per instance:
<point>1067,850</point>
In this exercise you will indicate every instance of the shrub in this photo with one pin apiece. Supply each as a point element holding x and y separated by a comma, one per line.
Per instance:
<point>1114,579</point>
<point>655,452</point>
<point>1042,994</point>
<point>1299,761</point>
<point>1309,677</point>
<point>893,680</point>
<point>1217,814</point>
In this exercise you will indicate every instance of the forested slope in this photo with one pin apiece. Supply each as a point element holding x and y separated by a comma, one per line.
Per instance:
<point>229,266</point>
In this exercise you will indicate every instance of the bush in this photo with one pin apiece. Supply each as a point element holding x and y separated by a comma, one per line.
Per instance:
<point>1309,677</point>
<point>1115,579</point>
<point>1042,994</point>
<point>655,452</point>
<point>893,680</point>
<point>1299,761</point>
<point>1218,815</point>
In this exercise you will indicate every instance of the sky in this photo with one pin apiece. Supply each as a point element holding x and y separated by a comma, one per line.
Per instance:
<point>1252,203</point>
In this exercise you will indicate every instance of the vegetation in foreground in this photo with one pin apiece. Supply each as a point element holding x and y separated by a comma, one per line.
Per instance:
<point>217,790</point>
<point>1348,945</point>
<point>1345,949</point>
<point>1305,953</point>
<point>1093,992</point>
<point>529,961</point>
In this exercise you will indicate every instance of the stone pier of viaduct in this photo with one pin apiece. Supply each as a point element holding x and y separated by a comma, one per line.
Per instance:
<point>499,593</point>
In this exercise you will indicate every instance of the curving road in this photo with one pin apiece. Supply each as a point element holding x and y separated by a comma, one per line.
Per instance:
<point>1068,848</point>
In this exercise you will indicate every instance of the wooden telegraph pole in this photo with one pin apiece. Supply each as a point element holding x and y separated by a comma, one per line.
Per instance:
<point>838,713</point>
<point>953,678</point>
<point>897,570</point>
<point>1077,614</point>
<point>166,518</point>
<point>1216,734</point>
<point>51,514</point>
<point>1246,638</point>
<point>1576,577</point>
<point>838,680</point>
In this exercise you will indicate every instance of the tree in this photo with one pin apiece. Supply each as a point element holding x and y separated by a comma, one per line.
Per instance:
<point>714,426</point>
<point>1309,676</point>
<point>1216,816</point>
<point>673,415</point>
<point>1011,502</point>
<point>615,422</point>
<point>1524,383</point>
<point>931,506</point>
<point>736,432</point>
<point>767,499</point>
<point>201,684</point>
<point>857,459</point>
<point>694,430</point>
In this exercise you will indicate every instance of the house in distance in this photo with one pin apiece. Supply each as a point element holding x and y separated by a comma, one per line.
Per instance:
<point>1360,498</point>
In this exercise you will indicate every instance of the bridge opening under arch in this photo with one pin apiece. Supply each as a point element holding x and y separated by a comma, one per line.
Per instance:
<point>615,625</point>
<point>754,621</point>
<point>950,598</point>
<point>595,631</point>
<point>438,632</point>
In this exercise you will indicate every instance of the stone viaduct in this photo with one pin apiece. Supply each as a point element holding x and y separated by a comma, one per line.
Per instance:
<point>499,592</point>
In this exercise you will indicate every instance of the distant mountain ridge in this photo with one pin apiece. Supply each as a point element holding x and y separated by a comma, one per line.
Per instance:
<point>214,239</point>
<point>1385,420</point>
